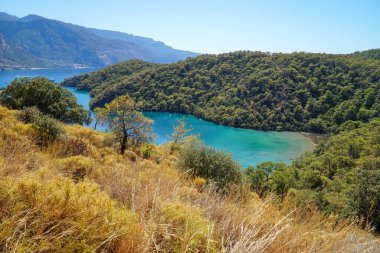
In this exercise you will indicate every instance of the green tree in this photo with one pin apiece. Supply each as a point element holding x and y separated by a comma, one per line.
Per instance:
<point>98,116</point>
<point>366,195</point>
<point>179,134</point>
<point>259,177</point>
<point>127,123</point>
<point>50,98</point>
<point>257,180</point>
<point>283,179</point>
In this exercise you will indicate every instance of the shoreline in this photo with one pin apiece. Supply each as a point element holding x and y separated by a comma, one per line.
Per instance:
<point>314,137</point>
<point>38,68</point>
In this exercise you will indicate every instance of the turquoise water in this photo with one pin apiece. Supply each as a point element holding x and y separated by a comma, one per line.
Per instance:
<point>249,147</point>
<point>7,76</point>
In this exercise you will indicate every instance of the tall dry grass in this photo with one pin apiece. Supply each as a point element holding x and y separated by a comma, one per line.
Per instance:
<point>236,225</point>
<point>17,151</point>
<point>130,204</point>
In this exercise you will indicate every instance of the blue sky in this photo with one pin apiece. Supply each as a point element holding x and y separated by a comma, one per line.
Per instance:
<point>215,26</point>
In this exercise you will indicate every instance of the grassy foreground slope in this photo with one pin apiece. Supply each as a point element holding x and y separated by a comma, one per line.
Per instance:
<point>298,91</point>
<point>77,194</point>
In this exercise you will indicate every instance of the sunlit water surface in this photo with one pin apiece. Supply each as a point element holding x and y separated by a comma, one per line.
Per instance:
<point>249,147</point>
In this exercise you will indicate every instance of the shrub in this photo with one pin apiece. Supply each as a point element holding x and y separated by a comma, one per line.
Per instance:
<point>91,137</point>
<point>304,199</point>
<point>29,115</point>
<point>4,113</point>
<point>148,150</point>
<point>46,129</point>
<point>199,182</point>
<point>76,167</point>
<point>130,155</point>
<point>69,146</point>
<point>207,162</point>
<point>16,148</point>
<point>186,230</point>
<point>60,216</point>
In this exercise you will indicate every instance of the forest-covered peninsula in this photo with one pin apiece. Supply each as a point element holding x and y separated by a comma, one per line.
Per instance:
<point>309,92</point>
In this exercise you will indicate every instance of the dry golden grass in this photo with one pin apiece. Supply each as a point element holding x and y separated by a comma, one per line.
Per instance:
<point>17,152</point>
<point>79,195</point>
<point>59,216</point>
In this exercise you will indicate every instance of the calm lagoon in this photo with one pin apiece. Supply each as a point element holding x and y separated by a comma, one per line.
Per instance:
<point>249,147</point>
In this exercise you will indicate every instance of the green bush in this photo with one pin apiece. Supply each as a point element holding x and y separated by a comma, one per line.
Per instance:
<point>46,129</point>
<point>29,115</point>
<point>50,98</point>
<point>366,197</point>
<point>268,177</point>
<point>304,198</point>
<point>204,161</point>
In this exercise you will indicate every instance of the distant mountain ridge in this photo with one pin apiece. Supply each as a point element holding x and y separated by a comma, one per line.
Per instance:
<point>162,52</point>
<point>35,41</point>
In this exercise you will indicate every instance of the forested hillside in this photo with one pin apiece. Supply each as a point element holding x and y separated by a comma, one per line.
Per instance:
<point>369,54</point>
<point>100,79</point>
<point>341,177</point>
<point>298,91</point>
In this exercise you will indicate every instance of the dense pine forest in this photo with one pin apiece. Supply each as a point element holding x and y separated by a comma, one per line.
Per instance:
<point>298,92</point>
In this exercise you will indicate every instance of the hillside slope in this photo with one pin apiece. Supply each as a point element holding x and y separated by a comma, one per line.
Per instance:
<point>99,79</point>
<point>373,54</point>
<point>79,187</point>
<point>297,92</point>
<point>340,177</point>
<point>34,41</point>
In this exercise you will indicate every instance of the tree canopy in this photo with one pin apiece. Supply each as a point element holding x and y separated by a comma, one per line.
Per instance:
<point>100,78</point>
<point>50,98</point>
<point>341,177</point>
<point>126,122</point>
<point>297,92</point>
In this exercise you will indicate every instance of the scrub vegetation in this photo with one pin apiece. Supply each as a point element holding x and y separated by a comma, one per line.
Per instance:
<point>67,188</point>
<point>77,193</point>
